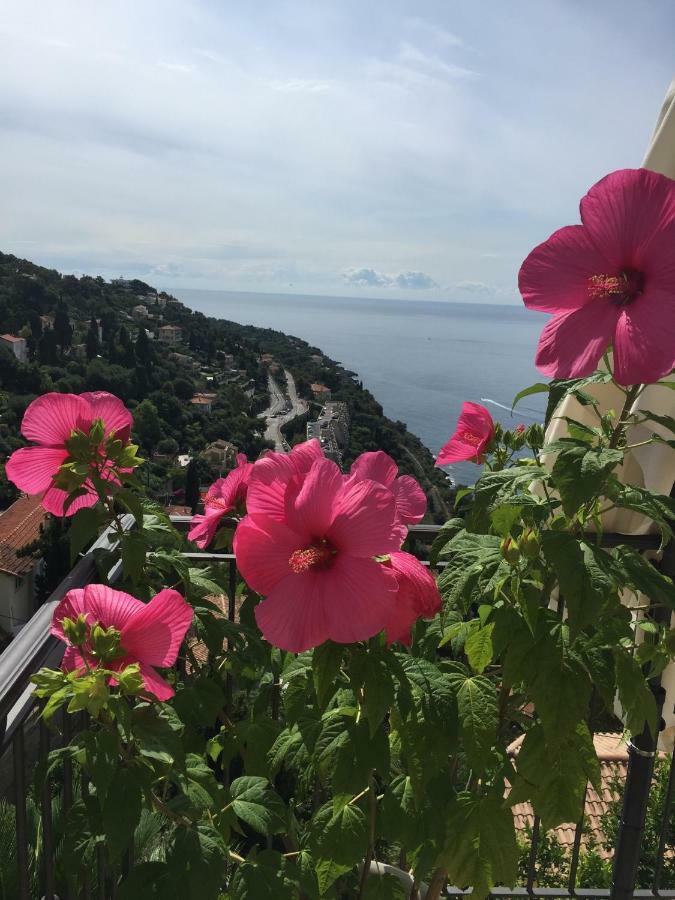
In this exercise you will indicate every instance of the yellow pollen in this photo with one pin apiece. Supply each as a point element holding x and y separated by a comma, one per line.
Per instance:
<point>471,438</point>
<point>621,288</point>
<point>310,558</point>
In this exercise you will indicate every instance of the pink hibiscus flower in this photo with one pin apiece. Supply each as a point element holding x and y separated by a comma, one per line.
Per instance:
<point>150,633</point>
<point>610,281</point>
<point>225,495</point>
<point>418,597</point>
<point>411,501</point>
<point>315,566</point>
<point>475,432</point>
<point>272,474</point>
<point>50,421</point>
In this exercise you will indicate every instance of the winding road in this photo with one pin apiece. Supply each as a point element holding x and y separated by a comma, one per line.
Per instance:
<point>284,406</point>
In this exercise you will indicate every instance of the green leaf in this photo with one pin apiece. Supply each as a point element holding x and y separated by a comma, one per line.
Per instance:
<point>657,507</point>
<point>337,842</point>
<point>257,804</point>
<point>447,532</point>
<point>579,474</point>
<point>149,881</point>
<point>667,422</point>
<point>480,847</point>
<point>121,811</point>
<point>264,876</point>
<point>198,702</point>
<point>196,859</point>
<point>637,701</point>
<point>384,887</point>
<point>642,575</point>
<point>478,648</point>
<point>478,718</point>
<point>553,773</point>
<point>400,813</point>
<point>584,585</point>
<point>326,662</point>
<point>83,530</point>
<point>378,691</point>
<point>157,733</point>
<point>539,387</point>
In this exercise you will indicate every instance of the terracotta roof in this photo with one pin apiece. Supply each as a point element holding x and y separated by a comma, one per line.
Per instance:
<point>613,757</point>
<point>319,388</point>
<point>19,526</point>
<point>178,510</point>
<point>11,337</point>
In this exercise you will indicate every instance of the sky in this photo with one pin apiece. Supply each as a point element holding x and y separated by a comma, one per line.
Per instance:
<point>334,147</point>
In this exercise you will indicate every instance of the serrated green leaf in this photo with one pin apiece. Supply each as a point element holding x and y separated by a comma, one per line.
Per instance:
<point>478,718</point>
<point>337,842</point>
<point>257,804</point>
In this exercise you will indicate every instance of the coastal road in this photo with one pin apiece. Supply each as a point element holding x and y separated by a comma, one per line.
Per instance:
<point>282,409</point>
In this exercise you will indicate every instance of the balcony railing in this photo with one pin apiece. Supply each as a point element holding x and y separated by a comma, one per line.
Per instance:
<point>24,740</point>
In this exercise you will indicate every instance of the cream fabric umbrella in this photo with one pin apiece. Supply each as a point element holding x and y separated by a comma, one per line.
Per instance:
<point>652,466</point>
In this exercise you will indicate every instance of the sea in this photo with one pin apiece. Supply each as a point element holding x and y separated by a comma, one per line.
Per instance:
<point>421,359</point>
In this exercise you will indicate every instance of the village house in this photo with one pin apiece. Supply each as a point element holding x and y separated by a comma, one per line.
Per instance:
<point>140,311</point>
<point>320,392</point>
<point>170,334</point>
<point>20,526</point>
<point>16,344</point>
<point>203,402</point>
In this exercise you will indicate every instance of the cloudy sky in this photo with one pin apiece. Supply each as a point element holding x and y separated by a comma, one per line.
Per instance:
<point>375,147</point>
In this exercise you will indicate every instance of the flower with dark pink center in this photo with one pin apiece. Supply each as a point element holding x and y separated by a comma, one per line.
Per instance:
<point>50,421</point>
<point>609,282</point>
<point>472,438</point>
<point>411,501</point>
<point>150,634</point>
<point>312,557</point>
<point>225,495</point>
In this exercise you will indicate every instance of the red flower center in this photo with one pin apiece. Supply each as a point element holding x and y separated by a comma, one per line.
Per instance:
<point>316,556</point>
<point>218,502</point>
<point>622,288</point>
<point>470,438</point>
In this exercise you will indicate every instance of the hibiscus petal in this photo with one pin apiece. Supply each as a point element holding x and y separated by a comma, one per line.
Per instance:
<point>263,548</point>
<point>420,580</point>
<point>267,483</point>
<point>571,345</point>
<point>110,409</point>
<point>364,520</point>
<point>305,454</point>
<point>625,211</point>
<point>155,685</point>
<point>554,277</point>
<point>311,510</point>
<point>411,501</point>
<point>69,607</point>
<point>377,466</point>
<point>73,660</point>
<point>54,501</point>
<point>204,528</point>
<point>644,345</point>
<point>32,469</point>
<point>293,617</point>
<point>113,609</point>
<point>358,595</point>
<point>51,419</point>
<point>154,633</point>
<point>457,450</point>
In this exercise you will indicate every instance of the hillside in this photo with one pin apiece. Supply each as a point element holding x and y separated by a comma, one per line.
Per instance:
<point>190,380</point>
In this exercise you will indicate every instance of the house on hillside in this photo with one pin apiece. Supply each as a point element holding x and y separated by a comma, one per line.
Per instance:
<point>20,526</point>
<point>170,334</point>
<point>204,402</point>
<point>320,392</point>
<point>140,311</point>
<point>16,344</point>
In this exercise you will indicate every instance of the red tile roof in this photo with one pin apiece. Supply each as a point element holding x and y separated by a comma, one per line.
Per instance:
<point>11,337</point>
<point>613,757</point>
<point>19,526</point>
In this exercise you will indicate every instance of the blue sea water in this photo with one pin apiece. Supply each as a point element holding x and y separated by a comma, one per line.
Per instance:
<point>421,359</point>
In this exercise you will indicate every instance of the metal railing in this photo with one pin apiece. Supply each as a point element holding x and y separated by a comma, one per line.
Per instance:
<point>20,725</point>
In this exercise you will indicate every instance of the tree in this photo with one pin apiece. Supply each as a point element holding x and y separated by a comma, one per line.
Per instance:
<point>128,356</point>
<point>91,341</point>
<point>192,486</point>
<point>63,330</point>
<point>183,388</point>
<point>142,348</point>
<point>148,425</point>
<point>47,348</point>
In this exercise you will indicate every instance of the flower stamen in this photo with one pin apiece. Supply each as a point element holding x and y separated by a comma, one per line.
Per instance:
<point>312,557</point>
<point>622,288</point>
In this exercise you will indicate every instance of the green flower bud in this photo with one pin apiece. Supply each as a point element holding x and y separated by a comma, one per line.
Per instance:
<point>535,436</point>
<point>529,544</point>
<point>75,630</point>
<point>510,550</point>
<point>105,643</point>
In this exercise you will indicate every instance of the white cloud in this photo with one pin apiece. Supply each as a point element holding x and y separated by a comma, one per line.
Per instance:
<point>365,277</point>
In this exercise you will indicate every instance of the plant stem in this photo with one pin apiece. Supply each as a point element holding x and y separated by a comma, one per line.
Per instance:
<point>371,838</point>
<point>437,883</point>
<point>631,396</point>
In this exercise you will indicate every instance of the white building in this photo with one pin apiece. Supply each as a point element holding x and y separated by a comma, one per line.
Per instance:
<point>17,345</point>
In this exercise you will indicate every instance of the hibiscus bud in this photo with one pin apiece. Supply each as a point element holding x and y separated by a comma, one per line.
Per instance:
<point>75,630</point>
<point>535,436</point>
<point>510,550</point>
<point>529,544</point>
<point>105,643</point>
<point>130,679</point>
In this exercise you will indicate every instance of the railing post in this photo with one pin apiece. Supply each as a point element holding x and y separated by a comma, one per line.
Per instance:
<point>641,756</point>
